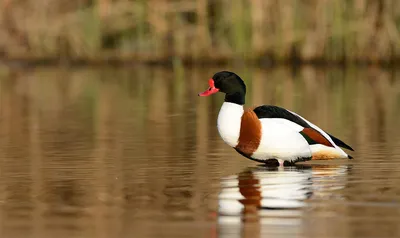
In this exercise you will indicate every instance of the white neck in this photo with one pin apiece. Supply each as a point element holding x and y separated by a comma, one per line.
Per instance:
<point>229,119</point>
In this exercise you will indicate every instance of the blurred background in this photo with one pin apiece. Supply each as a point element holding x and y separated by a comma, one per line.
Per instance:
<point>343,31</point>
<point>102,133</point>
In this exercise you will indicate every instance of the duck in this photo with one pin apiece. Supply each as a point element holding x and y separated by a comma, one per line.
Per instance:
<point>269,134</point>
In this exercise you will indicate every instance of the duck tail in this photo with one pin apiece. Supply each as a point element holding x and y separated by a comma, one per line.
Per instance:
<point>350,157</point>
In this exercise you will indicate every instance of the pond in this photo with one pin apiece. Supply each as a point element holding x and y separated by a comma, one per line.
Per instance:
<point>134,152</point>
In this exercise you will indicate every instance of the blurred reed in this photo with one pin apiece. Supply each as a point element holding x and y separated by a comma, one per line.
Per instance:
<point>343,31</point>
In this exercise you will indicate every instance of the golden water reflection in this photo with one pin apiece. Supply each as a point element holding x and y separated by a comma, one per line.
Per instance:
<point>116,152</point>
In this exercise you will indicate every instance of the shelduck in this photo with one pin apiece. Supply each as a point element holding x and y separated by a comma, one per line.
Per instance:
<point>269,134</point>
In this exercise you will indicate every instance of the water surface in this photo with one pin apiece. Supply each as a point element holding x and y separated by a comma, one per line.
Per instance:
<point>133,152</point>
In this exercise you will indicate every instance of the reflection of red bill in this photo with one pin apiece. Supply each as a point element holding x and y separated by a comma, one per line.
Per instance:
<point>211,90</point>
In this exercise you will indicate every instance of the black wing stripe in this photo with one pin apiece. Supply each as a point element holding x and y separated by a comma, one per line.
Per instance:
<point>268,111</point>
<point>340,143</point>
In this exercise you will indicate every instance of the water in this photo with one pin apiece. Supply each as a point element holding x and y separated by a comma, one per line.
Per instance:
<point>133,152</point>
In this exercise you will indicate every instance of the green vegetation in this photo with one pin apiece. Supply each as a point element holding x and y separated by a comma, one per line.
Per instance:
<point>343,31</point>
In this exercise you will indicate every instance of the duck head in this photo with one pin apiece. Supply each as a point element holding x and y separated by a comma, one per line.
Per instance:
<point>230,84</point>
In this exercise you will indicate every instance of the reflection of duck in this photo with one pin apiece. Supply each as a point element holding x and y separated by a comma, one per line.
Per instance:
<point>273,196</point>
<point>255,189</point>
<point>262,188</point>
<point>269,132</point>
